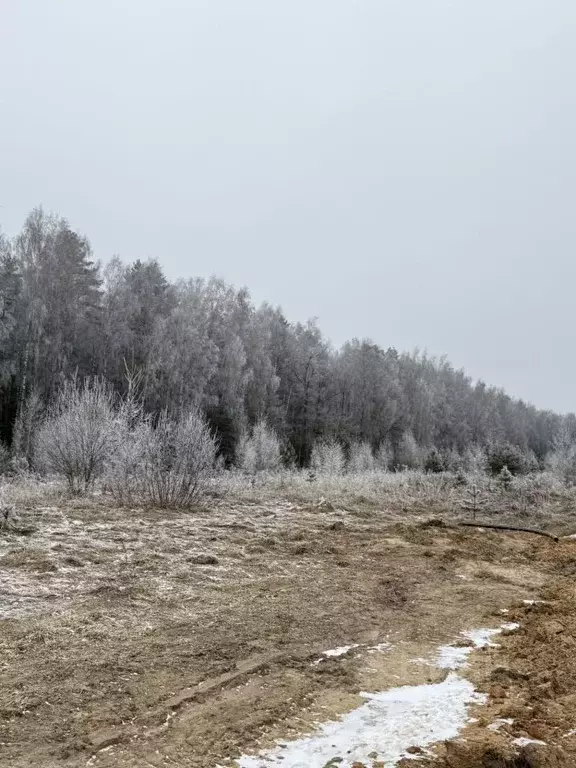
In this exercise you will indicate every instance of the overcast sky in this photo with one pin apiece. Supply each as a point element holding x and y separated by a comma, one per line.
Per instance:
<point>401,169</point>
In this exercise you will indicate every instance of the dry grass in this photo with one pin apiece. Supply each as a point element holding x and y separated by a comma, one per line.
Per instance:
<point>539,499</point>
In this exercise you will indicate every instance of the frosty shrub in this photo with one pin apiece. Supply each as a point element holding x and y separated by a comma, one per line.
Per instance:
<point>260,450</point>
<point>408,454</point>
<point>562,459</point>
<point>125,469</point>
<point>384,457</point>
<point>76,437</point>
<point>505,477</point>
<point>169,464</point>
<point>503,454</point>
<point>360,458</point>
<point>327,458</point>
<point>474,460</point>
<point>435,462</point>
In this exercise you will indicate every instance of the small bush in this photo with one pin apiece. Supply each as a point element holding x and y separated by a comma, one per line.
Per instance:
<point>360,458</point>
<point>166,465</point>
<point>408,454</point>
<point>328,458</point>
<point>500,455</point>
<point>435,462</point>
<point>384,457</point>
<point>562,460</point>
<point>77,436</point>
<point>259,451</point>
<point>474,460</point>
<point>505,477</point>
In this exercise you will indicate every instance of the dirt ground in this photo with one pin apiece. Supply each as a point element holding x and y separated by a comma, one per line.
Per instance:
<point>132,638</point>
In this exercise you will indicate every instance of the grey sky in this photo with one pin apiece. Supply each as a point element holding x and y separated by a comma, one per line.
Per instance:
<point>402,169</point>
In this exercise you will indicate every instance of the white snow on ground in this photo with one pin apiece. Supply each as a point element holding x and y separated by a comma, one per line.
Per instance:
<point>481,637</point>
<point>510,626</point>
<point>390,721</point>
<point>335,652</point>
<point>522,741</point>
<point>497,724</point>
<point>454,657</point>
<point>387,724</point>
<point>380,648</point>
<point>339,651</point>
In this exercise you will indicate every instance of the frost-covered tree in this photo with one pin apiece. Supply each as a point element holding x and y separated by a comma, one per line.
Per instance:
<point>328,458</point>
<point>360,457</point>
<point>562,458</point>
<point>203,344</point>
<point>259,450</point>
<point>408,454</point>
<point>384,457</point>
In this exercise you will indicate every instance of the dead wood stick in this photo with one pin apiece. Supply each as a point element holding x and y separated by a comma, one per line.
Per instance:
<point>500,527</point>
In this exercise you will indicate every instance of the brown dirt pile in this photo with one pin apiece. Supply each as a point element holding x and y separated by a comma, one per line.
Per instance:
<point>530,681</point>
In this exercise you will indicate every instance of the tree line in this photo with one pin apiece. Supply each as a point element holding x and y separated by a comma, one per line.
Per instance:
<point>202,344</point>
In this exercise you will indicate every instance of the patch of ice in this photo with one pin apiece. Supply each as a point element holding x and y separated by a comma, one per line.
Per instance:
<point>388,723</point>
<point>497,724</point>
<point>522,741</point>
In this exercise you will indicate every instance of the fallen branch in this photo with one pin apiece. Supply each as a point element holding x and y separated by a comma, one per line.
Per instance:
<point>500,527</point>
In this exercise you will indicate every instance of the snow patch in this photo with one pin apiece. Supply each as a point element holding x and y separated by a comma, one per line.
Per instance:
<point>455,657</point>
<point>452,657</point>
<point>335,652</point>
<point>497,724</point>
<point>339,651</point>
<point>380,648</point>
<point>482,637</point>
<point>390,721</point>
<point>387,724</point>
<point>522,741</point>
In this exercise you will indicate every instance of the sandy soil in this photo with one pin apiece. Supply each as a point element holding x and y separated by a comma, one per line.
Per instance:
<point>133,638</point>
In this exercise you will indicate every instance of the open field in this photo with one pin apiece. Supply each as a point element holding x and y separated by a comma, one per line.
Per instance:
<point>154,638</point>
